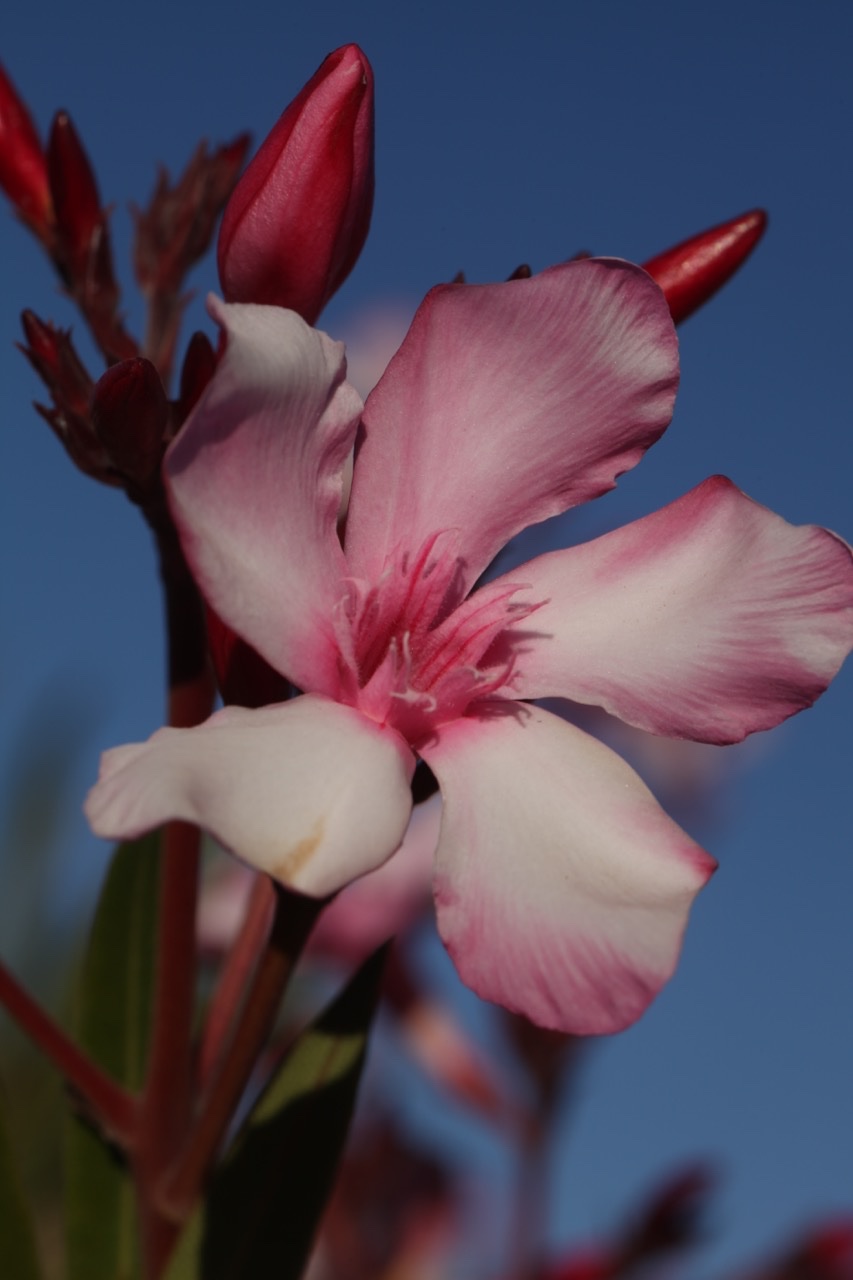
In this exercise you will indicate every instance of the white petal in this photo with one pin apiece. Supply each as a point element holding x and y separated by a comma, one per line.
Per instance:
<point>311,792</point>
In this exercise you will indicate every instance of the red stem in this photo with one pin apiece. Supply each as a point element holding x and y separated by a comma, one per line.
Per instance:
<point>294,919</point>
<point>237,969</point>
<point>166,1101</point>
<point>113,1109</point>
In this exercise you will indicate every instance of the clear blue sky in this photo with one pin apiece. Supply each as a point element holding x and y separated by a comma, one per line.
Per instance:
<point>508,133</point>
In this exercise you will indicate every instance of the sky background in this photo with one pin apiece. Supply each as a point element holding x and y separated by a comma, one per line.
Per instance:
<point>512,133</point>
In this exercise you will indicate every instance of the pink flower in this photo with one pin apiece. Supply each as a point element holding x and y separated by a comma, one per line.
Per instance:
<point>297,221</point>
<point>562,889</point>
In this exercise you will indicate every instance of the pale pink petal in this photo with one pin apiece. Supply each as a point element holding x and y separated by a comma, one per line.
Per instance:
<point>507,404</point>
<point>255,484</point>
<point>308,791</point>
<point>709,619</point>
<point>562,888</point>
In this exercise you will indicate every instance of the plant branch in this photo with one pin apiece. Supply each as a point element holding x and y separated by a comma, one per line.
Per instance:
<point>239,965</point>
<point>294,918</point>
<point>112,1108</point>
<point>166,1101</point>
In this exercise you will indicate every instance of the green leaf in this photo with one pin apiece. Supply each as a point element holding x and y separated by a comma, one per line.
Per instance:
<point>265,1201</point>
<point>20,1258</point>
<point>112,1022</point>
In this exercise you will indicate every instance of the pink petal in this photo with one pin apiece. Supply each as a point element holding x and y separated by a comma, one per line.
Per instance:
<point>709,619</point>
<point>562,888</point>
<point>507,404</point>
<point>255,483</point>
<point>309,791</point>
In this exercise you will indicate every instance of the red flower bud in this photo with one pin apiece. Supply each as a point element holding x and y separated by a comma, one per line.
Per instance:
<point>245,679</point>
<point>298,217</point>
<point>23,167</point>
<point>130,414</point>
<point>52,354</point>
<point>75,195</point>
<point>198,368</point>
<point>694,270</point>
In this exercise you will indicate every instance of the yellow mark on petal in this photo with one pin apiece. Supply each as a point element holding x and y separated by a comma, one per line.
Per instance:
<point>295,859</point>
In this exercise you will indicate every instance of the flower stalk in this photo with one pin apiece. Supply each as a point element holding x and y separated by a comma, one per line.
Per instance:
<point>113,1110</point>
<point>292,923</point>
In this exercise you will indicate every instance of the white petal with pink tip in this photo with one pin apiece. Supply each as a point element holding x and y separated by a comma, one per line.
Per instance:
<point>309,791</point>
<point>562,888</point>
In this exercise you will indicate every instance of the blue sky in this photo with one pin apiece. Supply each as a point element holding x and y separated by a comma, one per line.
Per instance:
<point>510,133</point>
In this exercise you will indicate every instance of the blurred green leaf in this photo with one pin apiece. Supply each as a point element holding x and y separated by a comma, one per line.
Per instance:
<point>112,1022</point>
<point>20,1258</point>
<point>264,1205</point>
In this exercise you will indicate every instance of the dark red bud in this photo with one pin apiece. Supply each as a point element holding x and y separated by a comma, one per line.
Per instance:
<point>23,166</point>
<point>198,368</point>
<point>75,195</point>
<point>673,1218</point>
<point>692,272</point>
<point>827,1254</point>
<point>51,353</point>
<point>130,415</point>
<point>245,679</point>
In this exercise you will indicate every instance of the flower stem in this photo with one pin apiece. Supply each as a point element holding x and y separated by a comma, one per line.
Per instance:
<point>239,965</point>
<point>166,1101</point>
<point>294,918</point>
<point>112,1108</point>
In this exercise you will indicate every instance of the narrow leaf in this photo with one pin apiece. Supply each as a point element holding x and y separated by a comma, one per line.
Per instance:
<point>112,1022</point>
<point>20,1258</point>
<point>265,1201</point>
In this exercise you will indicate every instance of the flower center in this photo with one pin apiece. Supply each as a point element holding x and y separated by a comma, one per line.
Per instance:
<point>416,653</point>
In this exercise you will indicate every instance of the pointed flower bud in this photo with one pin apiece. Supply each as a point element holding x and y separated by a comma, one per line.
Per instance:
<point>23,167</point>
<point>130,415</point>
<point>75,194</point>
<point>298,218</point>
<point>693,271</point>
<point>51,353</point>
<point>197,370</point>
<point>82,253</point>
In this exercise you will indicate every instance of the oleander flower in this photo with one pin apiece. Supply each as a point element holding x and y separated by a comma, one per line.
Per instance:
<point>562,889</point>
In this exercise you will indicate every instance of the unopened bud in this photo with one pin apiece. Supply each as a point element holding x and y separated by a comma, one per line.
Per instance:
<point>692,272</point>
<point>75,196</point>
<point>130,415</point>
<point>245,679</point>
<point>51,353</point>
<point>23,166</point>
<point>298,218</point>
<point>198,368</point>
